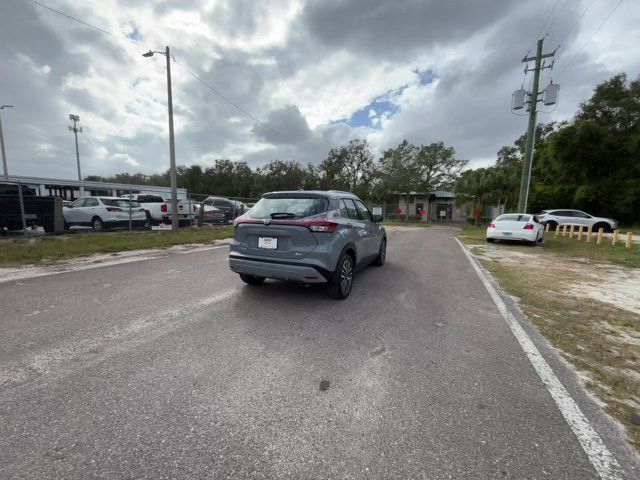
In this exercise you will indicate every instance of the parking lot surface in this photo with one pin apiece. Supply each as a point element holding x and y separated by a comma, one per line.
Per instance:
<point>172,368</point>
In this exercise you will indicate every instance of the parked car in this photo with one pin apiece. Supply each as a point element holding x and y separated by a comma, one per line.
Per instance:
<point>240,207</point>
<point>224,204</point>
<point>576,217</point>
<point>104,212</point>
<point>211,214</point>
<point>158,208</point>
<point>307,237</point>
<point>39,211</point>
<point>516,226</point>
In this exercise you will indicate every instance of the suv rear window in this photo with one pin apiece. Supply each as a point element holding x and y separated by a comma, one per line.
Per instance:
<point>113,202</point>
<point>513,218</point>
<point>150,199</point>
<point>298,207</point>
<point>8,189</point>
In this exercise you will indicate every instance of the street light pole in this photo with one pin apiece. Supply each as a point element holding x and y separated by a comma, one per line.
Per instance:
<point>75,129</point>
<point>4,156</point>
<point>172,149</point>
<point>172,145</point>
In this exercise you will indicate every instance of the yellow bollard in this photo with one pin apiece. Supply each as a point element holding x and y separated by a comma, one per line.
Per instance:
<point>629,240</point>
<point>589,233</point>
<point>557,230</point>
<point>615,237</point>
<point>571,232</point>
<point>547,228</point>
<point>600,232</point>
<point>564,231</point>
<point>580,233</point>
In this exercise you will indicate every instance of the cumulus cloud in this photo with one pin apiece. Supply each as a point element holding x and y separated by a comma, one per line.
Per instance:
<point>315,72</point>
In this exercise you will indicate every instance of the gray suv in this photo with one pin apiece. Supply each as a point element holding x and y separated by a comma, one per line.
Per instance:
<point>307,237</point>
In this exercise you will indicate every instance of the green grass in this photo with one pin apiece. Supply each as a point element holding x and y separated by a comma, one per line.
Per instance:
<point>44,250</point>
<point>566,248</point>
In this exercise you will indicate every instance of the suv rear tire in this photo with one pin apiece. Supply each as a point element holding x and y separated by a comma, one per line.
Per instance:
<point>382,253</point>
<point>97,224</point>
<point>606,228</point>
<point>342,280</point>
<point>251,279</point>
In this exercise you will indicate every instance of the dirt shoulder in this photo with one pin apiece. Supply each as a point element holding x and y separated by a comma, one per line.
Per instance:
<point>587,306</point>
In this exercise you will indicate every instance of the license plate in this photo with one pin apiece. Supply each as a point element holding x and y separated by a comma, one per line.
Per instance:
<point>270,243</point>
<point>507,234</point>
<point>31,216</point>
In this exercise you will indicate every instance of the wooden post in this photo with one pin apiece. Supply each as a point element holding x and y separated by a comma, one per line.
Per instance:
<point>547,228</point>
<point>557,230</point>
<point>589,233</point>
<point>600,232</point>
<point>564,231</point>
<point>629,240</point>
<point>615,237</point>
<point>571,232</point>
<point>580,233</point>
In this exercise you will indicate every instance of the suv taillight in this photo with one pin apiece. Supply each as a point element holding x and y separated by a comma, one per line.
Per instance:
<point>528,226</point>
<point>321,224</point>
<point>491,225</point>
<point>163,208</point>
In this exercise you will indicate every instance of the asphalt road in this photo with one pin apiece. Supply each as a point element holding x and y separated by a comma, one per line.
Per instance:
<point>173,368</point>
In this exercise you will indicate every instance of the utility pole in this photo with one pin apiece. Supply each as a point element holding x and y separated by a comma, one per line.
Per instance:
<point>4,156</point>
<point>172,145</point>
<point>172,148</point>
<point>75,129</point>
<point>531,131</point>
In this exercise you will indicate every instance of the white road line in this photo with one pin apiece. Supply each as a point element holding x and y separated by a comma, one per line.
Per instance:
<point>203,249</point>
<point>599,455</point>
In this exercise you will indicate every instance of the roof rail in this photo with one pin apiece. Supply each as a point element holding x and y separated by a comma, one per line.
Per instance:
<point>339,191</point>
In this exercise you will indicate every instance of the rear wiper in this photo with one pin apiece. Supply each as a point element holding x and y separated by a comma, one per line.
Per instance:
<point>283,215</point>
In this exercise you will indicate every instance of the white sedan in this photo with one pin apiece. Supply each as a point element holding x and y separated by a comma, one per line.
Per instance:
<point>523,227</point>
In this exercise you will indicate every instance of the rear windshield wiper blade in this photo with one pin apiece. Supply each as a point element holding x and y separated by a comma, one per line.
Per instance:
<point>283,215</point>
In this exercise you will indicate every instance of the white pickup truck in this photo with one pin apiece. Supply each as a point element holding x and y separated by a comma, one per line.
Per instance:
<point>158,209</point>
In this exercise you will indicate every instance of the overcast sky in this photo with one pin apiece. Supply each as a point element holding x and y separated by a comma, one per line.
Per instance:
<point>317,73</point>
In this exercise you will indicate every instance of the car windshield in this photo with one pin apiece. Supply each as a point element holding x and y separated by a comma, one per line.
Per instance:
<point>119,202</point>
<point>513,218</point>
<point>287,207</point>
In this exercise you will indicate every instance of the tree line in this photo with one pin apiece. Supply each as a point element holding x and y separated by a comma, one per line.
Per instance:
<point>590,163</point>
<point>350,167</point>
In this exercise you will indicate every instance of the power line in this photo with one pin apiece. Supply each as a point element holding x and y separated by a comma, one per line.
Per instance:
<point>558,14</point>
<point>576,23</point>
<point>541,29</point>
<point>230,102</point>
<point>590,37</point>
<point>124,37</point>
<point>72,18</point>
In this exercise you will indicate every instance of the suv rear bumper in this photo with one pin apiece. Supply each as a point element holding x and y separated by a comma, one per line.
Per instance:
<point>289,271</point>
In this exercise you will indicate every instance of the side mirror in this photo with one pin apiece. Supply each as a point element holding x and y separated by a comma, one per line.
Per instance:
<point>378,218</point>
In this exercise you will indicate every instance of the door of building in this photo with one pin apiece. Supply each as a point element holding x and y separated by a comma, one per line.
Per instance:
<point>443,211</point>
